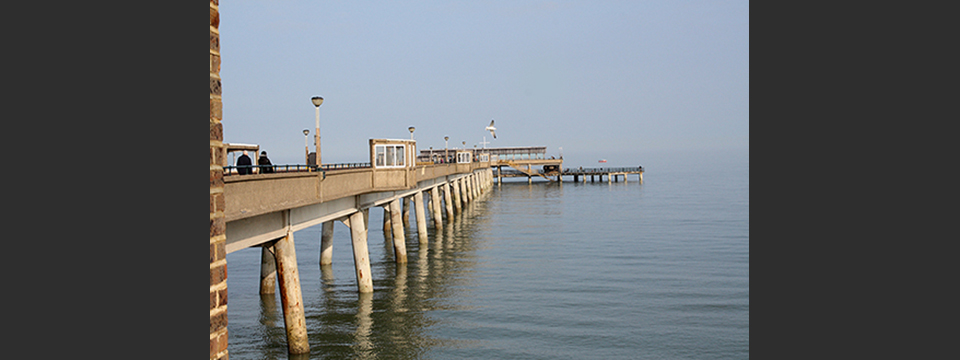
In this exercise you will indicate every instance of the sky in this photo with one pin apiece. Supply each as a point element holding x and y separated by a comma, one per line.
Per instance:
<point>615,80</point>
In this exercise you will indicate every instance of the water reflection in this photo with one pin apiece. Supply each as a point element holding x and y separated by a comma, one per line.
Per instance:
<point>363,346</point>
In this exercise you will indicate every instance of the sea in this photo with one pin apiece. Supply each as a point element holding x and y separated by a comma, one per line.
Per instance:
<point>571,270</point>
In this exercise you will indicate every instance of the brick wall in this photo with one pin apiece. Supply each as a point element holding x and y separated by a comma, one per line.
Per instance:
<point>218,258</point>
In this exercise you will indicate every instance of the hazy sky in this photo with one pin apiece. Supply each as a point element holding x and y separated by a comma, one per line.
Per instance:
<point>601,79</point>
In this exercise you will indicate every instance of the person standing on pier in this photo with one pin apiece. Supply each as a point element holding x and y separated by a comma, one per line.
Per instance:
<point>243,164</point>
<point>265,165</point>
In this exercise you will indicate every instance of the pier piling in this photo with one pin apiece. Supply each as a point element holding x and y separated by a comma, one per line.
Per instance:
<point>448,200</point>
<point>456,196</point>
<point>406,211</point>
<point>291,299</point>
<point>361,255</point>
<point>421,217</point>
<point>399,240</point>
<point>326,243</point>
<point>437,212</point>
<point>268,270</point>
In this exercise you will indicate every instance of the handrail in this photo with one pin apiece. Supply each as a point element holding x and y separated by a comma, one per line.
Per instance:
<point>602,170</point>
<point>231,170</point>
<point>288,168</point>
<point>342,166</point>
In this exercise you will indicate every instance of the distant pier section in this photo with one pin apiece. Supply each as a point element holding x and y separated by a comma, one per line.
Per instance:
<point>527,161</point>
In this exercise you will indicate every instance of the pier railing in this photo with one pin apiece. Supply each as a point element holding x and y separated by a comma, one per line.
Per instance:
<point>232,170</point>
<point>605,170</point>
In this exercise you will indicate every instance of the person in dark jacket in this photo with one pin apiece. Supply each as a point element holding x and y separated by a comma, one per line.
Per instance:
<point>265,164</point>
<point>243,164</point>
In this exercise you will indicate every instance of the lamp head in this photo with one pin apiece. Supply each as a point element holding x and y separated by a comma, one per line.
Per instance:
<point>411,129</point>
<point>305,132</point>
<point>317,101</point>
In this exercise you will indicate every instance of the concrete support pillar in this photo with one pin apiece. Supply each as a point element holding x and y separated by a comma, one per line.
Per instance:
<point>472,186</point>
<point>591,178</point>
<point>456,196</point>
<point>366,218</point>
<point>361,255</point>
<point>399,240</point>
<point>268,270</point>
<point>437,212</point>
<point>387,224</point>
<point>473,195</point>
<point>406,211</point>
<point>291,299</point>
<point>421,217</point>
<point>448,200</point>
<point>326,243</point>
<point>529,179</point>
<point>641,178</point>
<point>480,188</point>
<point>482,180</point>
<point>463,191</point>
<point>499,177</point>
<point>473,183</point>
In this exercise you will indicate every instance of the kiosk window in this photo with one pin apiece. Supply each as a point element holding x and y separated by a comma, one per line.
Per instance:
<point>389,156</point>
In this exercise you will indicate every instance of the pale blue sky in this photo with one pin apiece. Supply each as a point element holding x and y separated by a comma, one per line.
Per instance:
<point>601,79</point>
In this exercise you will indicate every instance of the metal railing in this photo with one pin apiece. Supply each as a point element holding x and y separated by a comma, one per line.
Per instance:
<point>602,170</point>
<point>344,166</point>
<point>576,171</point>
<point>233,169</point>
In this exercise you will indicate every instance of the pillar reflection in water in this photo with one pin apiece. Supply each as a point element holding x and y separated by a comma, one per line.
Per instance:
<point>400,289</point>
<point>363,346</point>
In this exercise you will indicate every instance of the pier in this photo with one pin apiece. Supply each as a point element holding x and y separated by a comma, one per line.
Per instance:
<point>264,208</point>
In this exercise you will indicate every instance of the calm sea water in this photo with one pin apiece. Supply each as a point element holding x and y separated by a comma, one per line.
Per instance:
<point>658,270</point>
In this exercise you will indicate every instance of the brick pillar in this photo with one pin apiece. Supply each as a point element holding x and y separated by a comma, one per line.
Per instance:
<point>218,255</point>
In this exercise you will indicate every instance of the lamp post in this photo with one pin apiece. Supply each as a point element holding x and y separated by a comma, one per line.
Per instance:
<point>317,101</point>
<point>446,156</point>
<point>411,131</point>
<point>306,148</point>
